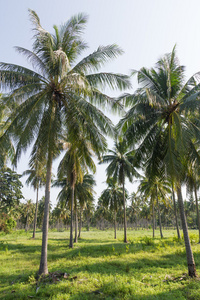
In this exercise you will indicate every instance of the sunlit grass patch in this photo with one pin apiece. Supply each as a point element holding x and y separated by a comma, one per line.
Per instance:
<point>99,267</point>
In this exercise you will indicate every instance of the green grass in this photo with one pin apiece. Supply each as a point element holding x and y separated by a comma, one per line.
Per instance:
<point>99,267</point>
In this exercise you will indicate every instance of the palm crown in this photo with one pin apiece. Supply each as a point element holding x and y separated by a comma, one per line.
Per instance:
<point>161,119</point>
<point>57,93</point>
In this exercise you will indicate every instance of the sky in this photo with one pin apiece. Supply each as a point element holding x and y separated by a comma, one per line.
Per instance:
<point>144,29</point>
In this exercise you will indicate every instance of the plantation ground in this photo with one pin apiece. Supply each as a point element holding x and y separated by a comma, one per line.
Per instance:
<point>98,267</point>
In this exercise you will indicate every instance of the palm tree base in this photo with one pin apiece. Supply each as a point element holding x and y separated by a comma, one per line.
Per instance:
<point>192,270</point>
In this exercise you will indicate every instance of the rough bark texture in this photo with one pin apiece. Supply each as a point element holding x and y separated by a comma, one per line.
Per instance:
<point>190,258</point>
<point>71,227</point>
<point>175,213</point>
<point>43,262</point>
<point>124,204</point>
<point>197,209</point>
<point>35,218</point>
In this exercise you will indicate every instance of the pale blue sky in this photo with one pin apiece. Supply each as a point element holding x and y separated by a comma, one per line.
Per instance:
<point>144,29</point>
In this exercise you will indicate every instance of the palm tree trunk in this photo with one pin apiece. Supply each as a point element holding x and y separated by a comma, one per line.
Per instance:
<point>175,213</point>
<point>80,224</point>
<point>71,227</point>
<point>26,226</point>
<point>115,225</point>
<point>43,262</point>
<point>197,209</point>
<point>76,226</point>
<point>88,223</point>
<point>159,217</point>
<point>190,258</point>
<point>35,218</point>
<point>135,222</point>
<point>124,204</point>
<point>153,219</point>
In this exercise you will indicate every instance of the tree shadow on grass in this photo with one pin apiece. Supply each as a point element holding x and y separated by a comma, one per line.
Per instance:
<point>130,293</point>
<point>113,289</point>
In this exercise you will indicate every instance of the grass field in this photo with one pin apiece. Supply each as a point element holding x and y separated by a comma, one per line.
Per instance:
<point>99,267</point>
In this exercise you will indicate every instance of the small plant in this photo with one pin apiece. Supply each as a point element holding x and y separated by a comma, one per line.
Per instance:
<point>148,241</point>
<point>31,279</point>
<point>193,238</point>
<point>127,248</point>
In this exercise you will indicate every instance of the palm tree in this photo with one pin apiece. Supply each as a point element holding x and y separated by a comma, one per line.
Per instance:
<point>72,167</point>
<point>192,184</point>
<point>8,150</point>
<point>88,212</point>
<point>160,122</point>
<point>58,96</point>
<point>112,197</point>
<point>85,194</point>
<point>175,212</point>
<point>137,201</point>
<point>157,189</point>
<point>120,167</point>
<point>28,213</point>
<point>37,176</point>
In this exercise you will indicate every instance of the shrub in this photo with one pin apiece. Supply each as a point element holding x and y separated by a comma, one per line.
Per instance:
<point>7,223</point>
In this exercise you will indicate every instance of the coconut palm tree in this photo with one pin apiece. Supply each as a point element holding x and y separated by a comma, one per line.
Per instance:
<point>192,183</point>
<point>59,95</point>
<point>76,161</point>
<point>28,213</point>
<point>175,212</point>
<point>8,151</point>
<point>160,121</point>
<point>112,197</point>
<point>85,194</point>
<point>156,189</point>
<point>137,201</point>
<point>36,178</point>
<point>88,212</point>
<point>121,166</point>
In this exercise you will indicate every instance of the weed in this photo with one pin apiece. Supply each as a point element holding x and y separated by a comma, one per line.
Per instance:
<point>127,248</point>
<point>148,241</point>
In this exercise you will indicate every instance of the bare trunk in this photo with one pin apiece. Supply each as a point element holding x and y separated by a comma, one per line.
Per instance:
<point>35,218</point>
<point>197,209</point>
<point>159,217</point>
<point>88,223</point>
<point>26,226</point>
<point>80,224</point>
<point>124,204</point>
<point>115,225</point>
<point>136,222</point>
<point>175,213</point>
<point>76,226</point>
<point>43,262</point>
<point>71,227</point>
<point>153,219</point>
<point>190,258</point>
